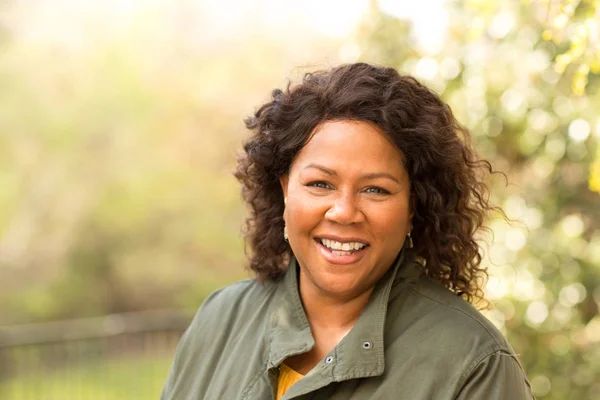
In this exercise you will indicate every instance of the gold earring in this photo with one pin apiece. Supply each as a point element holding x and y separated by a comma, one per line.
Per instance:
<point>285,234</point>
<point>410,241</point>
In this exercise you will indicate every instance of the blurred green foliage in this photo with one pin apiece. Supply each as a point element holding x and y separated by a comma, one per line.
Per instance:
<point>576,24</point>
<point>116,155</point>
<point>118,136</point>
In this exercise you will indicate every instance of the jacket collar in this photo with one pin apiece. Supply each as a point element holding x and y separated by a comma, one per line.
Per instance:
<point>361,352</point>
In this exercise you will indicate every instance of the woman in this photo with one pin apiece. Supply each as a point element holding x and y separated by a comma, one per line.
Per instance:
<point>365,196</point>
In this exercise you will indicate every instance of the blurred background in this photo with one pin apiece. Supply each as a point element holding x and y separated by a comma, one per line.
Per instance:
<point>119,127</point>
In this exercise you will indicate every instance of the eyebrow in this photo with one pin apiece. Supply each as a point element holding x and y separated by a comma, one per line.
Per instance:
<point>375,175</point>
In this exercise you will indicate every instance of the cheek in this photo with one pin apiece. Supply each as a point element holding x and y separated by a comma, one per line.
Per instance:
<point>302,216</point>
<point>392,221</point>
<point>303,210</point>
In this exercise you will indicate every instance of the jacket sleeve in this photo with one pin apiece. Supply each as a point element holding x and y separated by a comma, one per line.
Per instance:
<point>175,368</point>
<point>181,374</point>
<point>497,376</point>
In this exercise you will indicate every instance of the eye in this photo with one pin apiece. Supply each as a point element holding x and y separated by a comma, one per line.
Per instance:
<point>319,184</point>
<point>376,190</point>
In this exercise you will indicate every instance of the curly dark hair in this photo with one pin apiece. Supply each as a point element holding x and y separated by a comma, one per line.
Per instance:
<point>448,194</point>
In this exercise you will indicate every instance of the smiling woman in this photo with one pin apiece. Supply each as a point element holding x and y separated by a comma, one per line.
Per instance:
<point>365,196</point>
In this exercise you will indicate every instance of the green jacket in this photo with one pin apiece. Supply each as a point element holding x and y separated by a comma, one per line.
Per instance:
<point>414,340</point>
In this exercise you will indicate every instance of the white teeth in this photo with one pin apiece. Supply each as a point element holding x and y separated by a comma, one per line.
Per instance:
<point>341,253</point>
<point>344,247</point>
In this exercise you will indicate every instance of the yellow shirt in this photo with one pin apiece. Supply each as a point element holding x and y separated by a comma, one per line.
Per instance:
<point>287,377</point>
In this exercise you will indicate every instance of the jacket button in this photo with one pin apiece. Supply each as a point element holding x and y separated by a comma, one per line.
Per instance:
<point>367,345</point>
<point>329,360</point>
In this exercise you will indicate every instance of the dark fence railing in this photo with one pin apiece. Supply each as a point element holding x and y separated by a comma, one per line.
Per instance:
<point>121,356</point>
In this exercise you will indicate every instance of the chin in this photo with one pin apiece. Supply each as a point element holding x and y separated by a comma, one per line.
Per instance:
<point>340,286</point>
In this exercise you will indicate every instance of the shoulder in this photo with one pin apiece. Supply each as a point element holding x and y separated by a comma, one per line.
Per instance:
<point>229,295</point>
<point>232,304</point>
<point>441,326</point>
<point>429,325</point>
<point>454,315</point>
<point>228,320</point>
<point>490,363</point>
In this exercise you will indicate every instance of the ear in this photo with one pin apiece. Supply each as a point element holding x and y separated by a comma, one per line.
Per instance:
<point>284,184</point>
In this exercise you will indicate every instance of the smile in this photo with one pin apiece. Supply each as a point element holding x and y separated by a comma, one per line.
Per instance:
<point>336,252</point>
<point>339,247</point>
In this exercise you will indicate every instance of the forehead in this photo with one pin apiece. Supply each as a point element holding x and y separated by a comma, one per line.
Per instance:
<point>351,145</point>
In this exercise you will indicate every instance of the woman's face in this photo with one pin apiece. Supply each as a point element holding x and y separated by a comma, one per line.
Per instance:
<point>347,208</point>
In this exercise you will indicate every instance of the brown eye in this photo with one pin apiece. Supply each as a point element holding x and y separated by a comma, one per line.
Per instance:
<point>376,190</point>
<point>319,185</point>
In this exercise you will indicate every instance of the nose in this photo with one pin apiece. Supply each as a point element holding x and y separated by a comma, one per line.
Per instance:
<point>344,210</point>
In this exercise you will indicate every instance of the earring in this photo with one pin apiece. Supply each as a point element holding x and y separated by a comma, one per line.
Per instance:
<point>410,241</point>
<point>285,234</point>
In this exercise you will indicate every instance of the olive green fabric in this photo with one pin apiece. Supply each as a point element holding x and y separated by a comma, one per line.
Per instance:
<point>414,340</point>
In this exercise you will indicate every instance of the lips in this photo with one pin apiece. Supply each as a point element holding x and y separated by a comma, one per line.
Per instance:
<point>341,257</point>
<point>343,239</point>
